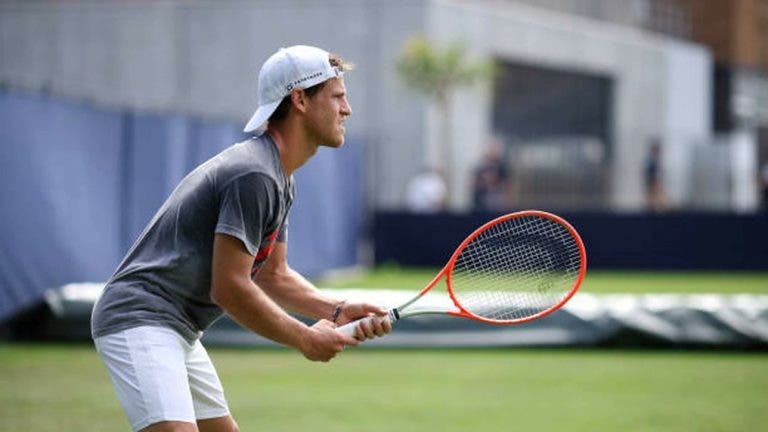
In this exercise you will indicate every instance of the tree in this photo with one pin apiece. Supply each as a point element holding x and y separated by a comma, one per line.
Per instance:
<point>437,72</point>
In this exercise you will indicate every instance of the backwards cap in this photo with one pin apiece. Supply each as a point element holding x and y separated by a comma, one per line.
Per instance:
<point>298,66</point>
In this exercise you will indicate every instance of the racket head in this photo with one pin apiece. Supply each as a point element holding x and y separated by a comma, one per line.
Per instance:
<point>516,268</point>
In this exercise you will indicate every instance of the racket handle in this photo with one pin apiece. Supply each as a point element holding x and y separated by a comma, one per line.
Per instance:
<point>348,329</point>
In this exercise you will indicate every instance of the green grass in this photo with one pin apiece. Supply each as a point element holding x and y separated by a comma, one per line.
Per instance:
<point>392,277</point>
<point>62,388</point>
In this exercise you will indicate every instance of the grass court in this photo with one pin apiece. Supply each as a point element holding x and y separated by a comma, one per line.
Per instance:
<point>52,387</point>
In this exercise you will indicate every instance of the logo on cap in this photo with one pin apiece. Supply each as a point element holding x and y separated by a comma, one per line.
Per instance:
<point>293,84</point>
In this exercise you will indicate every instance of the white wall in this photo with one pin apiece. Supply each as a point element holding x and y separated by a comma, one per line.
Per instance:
<point>688,115</point>
<point>645,68</point>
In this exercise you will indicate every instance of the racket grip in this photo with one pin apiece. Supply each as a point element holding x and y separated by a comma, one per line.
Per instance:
<point>348,329</point>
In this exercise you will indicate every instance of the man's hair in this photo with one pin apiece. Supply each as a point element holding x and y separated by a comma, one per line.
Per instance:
<point>285,105</point>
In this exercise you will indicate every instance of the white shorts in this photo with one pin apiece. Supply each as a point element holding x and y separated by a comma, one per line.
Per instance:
<point>159,376</point>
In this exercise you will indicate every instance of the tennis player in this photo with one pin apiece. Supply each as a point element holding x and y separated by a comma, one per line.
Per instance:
<point>218,244</point>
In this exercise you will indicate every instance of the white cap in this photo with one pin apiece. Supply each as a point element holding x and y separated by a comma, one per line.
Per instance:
<point>299,66</point>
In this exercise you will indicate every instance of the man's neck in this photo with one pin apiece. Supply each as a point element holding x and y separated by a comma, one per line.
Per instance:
<point>293,144</point>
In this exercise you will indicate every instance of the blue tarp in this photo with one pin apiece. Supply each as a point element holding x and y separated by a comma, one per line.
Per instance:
<point>78,183</point>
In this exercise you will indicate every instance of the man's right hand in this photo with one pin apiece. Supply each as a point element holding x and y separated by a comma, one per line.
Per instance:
<point>322,342</point>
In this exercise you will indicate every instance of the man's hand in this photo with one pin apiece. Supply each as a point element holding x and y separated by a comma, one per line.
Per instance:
<point>323,342</point>
<point>354,311</point>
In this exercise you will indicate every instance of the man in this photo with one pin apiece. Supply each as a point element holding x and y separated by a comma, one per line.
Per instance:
<point>218,244</point>
<point>426,192</point>
<point>491,186</point>
<point>652,173</point>
<point>763,181</point>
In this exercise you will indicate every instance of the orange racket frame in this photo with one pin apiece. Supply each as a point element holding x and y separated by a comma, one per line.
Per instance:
<point>447,271</point>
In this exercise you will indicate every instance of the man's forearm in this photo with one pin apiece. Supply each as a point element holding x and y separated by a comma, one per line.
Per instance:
<point>296,294</point>
<point>252,308</point>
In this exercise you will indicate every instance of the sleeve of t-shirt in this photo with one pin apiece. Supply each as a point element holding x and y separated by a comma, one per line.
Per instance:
<point>282,236</point>
<point>246,207</point>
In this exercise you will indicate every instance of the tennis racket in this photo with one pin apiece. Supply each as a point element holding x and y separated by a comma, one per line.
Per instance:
<point>516,268</point>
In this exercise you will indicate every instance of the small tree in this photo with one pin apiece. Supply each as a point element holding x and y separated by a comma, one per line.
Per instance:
<point>437,72</point>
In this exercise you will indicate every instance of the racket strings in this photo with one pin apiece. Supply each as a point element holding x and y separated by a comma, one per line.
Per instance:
<point>516,269</point>
<point>530,264</point>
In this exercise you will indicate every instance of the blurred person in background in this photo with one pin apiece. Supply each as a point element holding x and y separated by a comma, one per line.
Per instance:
<point>492,190</point>
<point>218,244</point>
<point>764,187</point>
<point>426,192</point>
<point>655,196</point>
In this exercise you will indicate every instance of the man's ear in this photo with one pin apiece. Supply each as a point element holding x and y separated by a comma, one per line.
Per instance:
<point>299,100</point>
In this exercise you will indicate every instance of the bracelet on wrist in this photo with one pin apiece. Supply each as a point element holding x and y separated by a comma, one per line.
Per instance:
<point>337,311</point>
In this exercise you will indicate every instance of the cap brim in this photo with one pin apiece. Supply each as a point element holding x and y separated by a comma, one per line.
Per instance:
<point>261,116</point>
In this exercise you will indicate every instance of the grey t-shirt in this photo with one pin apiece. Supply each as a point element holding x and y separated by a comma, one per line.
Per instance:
<point>165,279</point>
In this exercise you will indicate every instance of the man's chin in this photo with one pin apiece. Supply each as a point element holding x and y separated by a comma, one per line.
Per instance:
<point>335,143</point>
